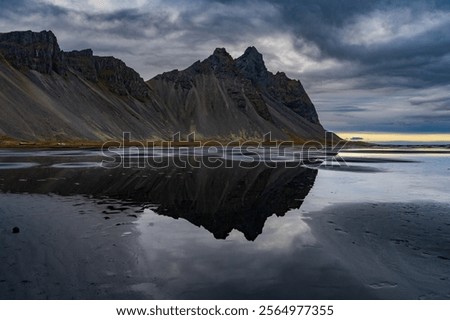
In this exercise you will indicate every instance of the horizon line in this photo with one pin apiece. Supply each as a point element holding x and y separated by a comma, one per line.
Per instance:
<point>396,136</point>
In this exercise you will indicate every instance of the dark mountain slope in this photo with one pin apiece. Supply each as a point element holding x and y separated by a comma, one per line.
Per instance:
<point>222,97</point>
<point>48,94</point>
<point>52,95</point>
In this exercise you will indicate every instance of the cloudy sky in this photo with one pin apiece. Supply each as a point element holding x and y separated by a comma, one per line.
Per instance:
<point>367,65</point>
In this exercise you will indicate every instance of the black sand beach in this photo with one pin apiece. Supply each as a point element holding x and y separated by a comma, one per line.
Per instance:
<point>375,228</point>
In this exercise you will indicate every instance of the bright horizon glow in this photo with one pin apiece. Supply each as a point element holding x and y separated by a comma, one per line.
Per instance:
<point>391,136</point>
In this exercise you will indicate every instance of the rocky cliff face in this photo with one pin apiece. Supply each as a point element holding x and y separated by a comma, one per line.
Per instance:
<point>110,71</point>
<point>31,50</point>
<point>221,93</point>
<point>49,94</point>
<point>276,86</point>
<point>40,52</point>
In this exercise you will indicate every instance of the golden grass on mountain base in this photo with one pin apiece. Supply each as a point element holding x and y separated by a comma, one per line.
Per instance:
<point>11,143</point>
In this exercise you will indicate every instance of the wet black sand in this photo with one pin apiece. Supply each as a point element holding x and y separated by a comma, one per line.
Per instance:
<point>400,250</point>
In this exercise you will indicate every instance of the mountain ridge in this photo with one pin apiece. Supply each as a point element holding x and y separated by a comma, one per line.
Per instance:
<point>50,94</point>
<point>281,104</point>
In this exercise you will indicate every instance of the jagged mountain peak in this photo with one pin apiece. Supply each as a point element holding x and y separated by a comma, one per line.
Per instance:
<point>221,52</point>
<point>220,59</point>
<point>253,54</point>
<point>252,65</point>
<point>220,62</point>
<point>251,49</point>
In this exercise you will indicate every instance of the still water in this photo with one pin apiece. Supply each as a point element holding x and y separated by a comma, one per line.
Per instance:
<point>376,227</point>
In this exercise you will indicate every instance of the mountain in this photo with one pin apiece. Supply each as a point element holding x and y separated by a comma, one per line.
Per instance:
<point>223,97</point>
<point>48,94</point>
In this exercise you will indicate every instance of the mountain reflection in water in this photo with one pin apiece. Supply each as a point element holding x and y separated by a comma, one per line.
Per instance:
<point>220,199</point>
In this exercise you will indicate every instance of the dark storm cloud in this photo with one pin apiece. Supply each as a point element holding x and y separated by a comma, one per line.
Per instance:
<point>421,56</point>
<point>369,60</point>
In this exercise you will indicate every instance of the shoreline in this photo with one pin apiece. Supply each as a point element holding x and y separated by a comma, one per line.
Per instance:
<point>9,143</point>
<point>211,143</point>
